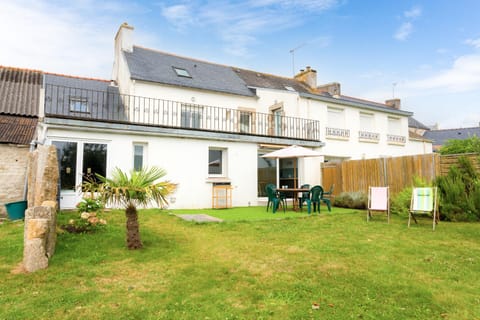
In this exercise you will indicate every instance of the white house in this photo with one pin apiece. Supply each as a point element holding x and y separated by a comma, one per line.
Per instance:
<point>208,124</point>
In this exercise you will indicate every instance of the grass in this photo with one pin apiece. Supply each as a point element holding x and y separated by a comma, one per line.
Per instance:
<point>250,267</point>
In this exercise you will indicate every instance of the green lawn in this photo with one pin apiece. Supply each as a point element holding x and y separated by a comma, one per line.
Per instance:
<point>256,265</point>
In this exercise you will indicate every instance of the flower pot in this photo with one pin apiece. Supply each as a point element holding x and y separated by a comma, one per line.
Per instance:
<point>16,210</point>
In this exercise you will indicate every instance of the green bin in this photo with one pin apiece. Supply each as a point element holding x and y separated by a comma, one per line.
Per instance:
<point>16,210</point>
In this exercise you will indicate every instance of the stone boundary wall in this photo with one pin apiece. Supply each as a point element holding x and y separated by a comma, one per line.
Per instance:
<point>13,170</point>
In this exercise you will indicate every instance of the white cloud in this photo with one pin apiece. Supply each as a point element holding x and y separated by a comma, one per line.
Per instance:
<point>464,75</point>
<point>473,42</point>
<point>239,24</point>
<point>404,31</point>
<point>413,13</point>
<point>57,39</point>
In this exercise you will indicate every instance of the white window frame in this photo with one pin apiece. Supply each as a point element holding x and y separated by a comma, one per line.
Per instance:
<point>79,104</point>
<point>223,168</point>
<point>144,147</point>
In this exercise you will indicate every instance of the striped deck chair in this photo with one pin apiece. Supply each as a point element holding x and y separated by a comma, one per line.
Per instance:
<point>424,200</point>
<point>378,200</point>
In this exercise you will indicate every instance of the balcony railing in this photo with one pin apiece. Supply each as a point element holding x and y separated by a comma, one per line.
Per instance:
<point>337,133</point>
<point>111,106</point>
<point>395,139</point>
<point>369,136</point>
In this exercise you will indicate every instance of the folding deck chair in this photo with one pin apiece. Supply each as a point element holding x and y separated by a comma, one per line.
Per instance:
<point>378,200</point>
<point>424,200</point>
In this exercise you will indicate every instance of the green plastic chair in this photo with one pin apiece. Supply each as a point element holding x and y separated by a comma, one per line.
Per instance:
<point>305,197</point>
<point>316,194</point>
<point>273,198</point>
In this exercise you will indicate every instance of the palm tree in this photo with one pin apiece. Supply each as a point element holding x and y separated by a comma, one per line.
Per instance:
<point>130,191</point>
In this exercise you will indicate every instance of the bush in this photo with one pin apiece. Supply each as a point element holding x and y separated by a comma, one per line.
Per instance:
<point>90,220</point>
<point>400,203</point>
<point>353,200</point>
<point>459,192</point>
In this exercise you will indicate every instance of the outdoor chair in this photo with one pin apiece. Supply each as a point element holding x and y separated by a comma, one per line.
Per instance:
<point>316,198</point>
<point>329,194</point>
<point>424,200</point>
<point>304,197</point>
<point>378,200</point>
<point>273,198</point>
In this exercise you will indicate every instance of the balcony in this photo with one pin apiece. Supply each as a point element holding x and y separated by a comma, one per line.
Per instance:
<point>366,136</point>
<point>396,139</point>
<point>112,107</point>
<point>337,133</point>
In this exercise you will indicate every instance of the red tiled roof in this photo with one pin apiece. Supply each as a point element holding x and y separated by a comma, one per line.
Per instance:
<point>17,129</point>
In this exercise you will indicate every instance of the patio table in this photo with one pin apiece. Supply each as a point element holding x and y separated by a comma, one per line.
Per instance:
<point>292,193</point>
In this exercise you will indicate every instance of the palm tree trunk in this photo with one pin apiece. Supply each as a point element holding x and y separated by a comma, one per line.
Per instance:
<point>133,230</point>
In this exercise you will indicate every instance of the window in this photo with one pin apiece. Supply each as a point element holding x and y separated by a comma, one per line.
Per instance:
<point>277,120</point>
<point>394,126</point>
<point>336,118</point>
<point>216,161</point>
<point>182,72</point>
<point>191,116</point>
<point>266,172</point>
<point>67,162</point>
<point>245,121</point>
<point>94,161</point>
<point>138,156</point>
<point>289,88</point>
<point>78,104</point>
<point>366,122</point>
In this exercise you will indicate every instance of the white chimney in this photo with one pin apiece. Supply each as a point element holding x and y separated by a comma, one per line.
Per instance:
<point>123,42</point>
<point>124,38</point>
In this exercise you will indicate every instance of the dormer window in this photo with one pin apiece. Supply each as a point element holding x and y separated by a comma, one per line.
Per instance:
<point>182,72</point>
<point>78,104</point>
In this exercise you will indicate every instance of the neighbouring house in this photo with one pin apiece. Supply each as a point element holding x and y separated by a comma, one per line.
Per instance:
<point>209,124</point>
<point>440,136</point>
<point>20,91</point>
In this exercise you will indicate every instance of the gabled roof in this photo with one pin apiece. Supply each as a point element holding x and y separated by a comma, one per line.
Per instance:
<point>17,129</point>
<point>414,123</point>
<point>439,137</point>
<point>263,80</point>
<point>156,66</point>
<point>20,91</point>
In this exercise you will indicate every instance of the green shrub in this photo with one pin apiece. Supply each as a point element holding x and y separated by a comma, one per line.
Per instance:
<point>89,205</point>
<point>353,200</point>
<point>460,192</point>
<point>400,202</point>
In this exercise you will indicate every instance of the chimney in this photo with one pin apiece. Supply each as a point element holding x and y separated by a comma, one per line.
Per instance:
<point>123,42</point>
<point>332,89</point>
<point>393,103</point>
<point>308,76</point>
<point>124,38</point>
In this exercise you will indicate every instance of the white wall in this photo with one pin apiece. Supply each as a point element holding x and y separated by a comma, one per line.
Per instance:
<point>185,160</point>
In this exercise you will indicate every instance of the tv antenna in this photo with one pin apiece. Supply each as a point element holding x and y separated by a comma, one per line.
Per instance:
<point>393,89</point>
<point>292,51</point>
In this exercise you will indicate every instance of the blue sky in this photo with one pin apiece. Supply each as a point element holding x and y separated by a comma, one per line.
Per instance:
<point>427,53</point>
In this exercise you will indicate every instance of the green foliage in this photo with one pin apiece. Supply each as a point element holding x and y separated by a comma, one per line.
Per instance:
<point>459,192</point>
<point>400,203</point>
<point>454,146</point>
<point>89,205</point>
<point>353,200</point>
<point>134,189</point>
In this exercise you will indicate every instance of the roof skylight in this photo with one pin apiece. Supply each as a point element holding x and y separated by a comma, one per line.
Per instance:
<point>182,72</point>
<point>289,88</point>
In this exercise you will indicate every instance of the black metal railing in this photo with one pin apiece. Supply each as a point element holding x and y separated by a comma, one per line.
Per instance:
<point>111,106</point>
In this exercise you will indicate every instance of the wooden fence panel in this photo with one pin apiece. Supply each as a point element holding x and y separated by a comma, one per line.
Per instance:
<point>446,161</point>
<point>396,172</point>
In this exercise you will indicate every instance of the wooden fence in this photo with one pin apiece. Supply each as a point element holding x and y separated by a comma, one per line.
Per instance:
<point>397,172</point>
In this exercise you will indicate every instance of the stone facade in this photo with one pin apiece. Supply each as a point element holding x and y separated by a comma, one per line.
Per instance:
<point>13,170</point>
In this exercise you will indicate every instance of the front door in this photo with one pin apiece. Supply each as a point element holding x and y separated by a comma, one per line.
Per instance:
<point>78,161</point>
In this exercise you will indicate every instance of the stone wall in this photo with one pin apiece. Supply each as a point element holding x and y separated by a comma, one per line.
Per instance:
<point>13,169</point>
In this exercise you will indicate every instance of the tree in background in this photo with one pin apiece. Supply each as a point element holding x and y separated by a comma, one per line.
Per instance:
<point>455,146</point>
<point>139,188</point>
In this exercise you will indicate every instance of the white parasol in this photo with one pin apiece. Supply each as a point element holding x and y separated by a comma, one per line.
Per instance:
<point>293,151</point>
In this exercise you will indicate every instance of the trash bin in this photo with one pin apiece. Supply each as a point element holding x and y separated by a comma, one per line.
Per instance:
<point>16,210</point>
